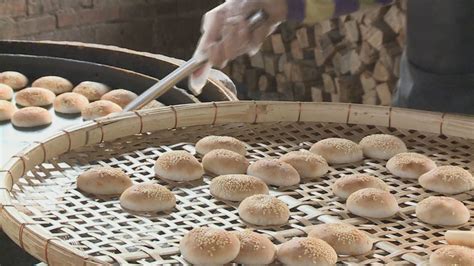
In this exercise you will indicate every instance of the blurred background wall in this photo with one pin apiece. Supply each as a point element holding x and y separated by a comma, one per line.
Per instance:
<point>353,58</point>
<point>170,27</point>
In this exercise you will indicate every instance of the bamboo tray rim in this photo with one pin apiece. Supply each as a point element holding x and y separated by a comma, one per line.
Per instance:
<point>32,237</point>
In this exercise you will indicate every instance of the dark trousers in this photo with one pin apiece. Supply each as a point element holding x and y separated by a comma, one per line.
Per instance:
<point>422,90</point>
<point>437,68</point>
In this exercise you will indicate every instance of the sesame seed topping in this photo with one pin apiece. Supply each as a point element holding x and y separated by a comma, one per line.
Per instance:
<point>238,183</point>
<point>210,239</point>
<point>408,158</point>
<point>225,155</point>
<point>316,249</point>
<point>173,159</point>
<point>304,156</point>
<point>343,145</point>
<point>265,204</point>
<point>250,240</point>
<point>153,191</point>
<point>451,174</point>
<point>384,142</point>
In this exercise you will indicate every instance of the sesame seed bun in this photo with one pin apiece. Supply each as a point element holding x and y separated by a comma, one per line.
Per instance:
<point>410,165</point>
<point>209,246</point>
<point>7,109</point>
<point>223,162</point>
<point>382,146</point>
<point>147,197</point>
<point>55,84</point>
<point>452,255</point>
<point>6,92</point>
<point>178,166</point>
<point>346,185</point>
<point>372,203</point>
<point>120,97</point>
<point>447,180</point>
<point>99,109</point>
<point>264,210</point>
<point>461,238</point>
<point>14,79</point>
<point>338,151</point>
<point>255,249</point>
<point>306,163</point>
<point>442,211</point>
<point>346,239</point>
<point>210,143</point>
<point>34,97</point>
<point>31,117</point>
<point>236,187</point>
<point>103,181</point>
<point>274,172</point>
<point>70,103</point>
<point>306,251</point>
<point>92,90</point>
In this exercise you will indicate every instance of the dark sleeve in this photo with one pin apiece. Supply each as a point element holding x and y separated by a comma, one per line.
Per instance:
<point>312,11</point>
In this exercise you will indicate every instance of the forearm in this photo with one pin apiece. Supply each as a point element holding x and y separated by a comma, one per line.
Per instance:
<point>312,11</point>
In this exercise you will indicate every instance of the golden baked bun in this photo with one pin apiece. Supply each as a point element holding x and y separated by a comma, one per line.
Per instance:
<point>223,162</point>
<point>99,109</point>
<point>346,239</point>
<point>237,187</point>
<point>7,109</point>
<point>410,165</point>
<point>338,150</point>
<point>210,143</point>
<point>14,79</point>
<point>264,210</point>
<point>153,104</point>
<point>209,246</point>
<point>147,197</point>
<point>382,146</point>
<point>306,251</point>
<point>255,249</point>
<point>178,166</point>
<point>70,103</point>
<point>274,172</point>
<point>306,163</point>
<point>6,92</point>
<point>31,117</point>
<point>461,238</point>
<point>452,255</point>
<point>372,203</point>
<point>447,180</point>
<point>57,85</point>
<point>444,211</point>
<point>92,90</point>
<point>105,181</point>
<point>346,185</point>
<point>34,97</point>
<point>120,96</point>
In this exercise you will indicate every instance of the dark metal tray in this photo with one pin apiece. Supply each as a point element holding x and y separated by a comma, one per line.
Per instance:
<point>153,65</point>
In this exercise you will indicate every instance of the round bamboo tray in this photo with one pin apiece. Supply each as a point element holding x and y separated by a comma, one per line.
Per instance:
<point>43,212</point>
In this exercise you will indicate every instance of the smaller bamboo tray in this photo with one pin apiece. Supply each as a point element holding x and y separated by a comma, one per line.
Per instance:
<point>42,211</point>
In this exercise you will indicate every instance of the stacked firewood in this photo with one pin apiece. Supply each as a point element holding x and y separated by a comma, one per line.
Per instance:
<point>353,58</point>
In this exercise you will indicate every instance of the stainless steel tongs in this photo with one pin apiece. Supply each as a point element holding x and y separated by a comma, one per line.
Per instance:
<point>183,71</point>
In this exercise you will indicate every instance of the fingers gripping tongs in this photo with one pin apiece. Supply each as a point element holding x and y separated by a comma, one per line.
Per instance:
<point>183,71</point>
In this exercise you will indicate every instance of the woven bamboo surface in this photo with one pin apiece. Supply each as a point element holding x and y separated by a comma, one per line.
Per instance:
<point>45,214</point>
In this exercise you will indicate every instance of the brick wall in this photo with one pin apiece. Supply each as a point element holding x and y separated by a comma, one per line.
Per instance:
<point>169,27</point>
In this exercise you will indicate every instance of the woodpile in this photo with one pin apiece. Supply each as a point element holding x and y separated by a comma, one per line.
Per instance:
<point>354,58</point>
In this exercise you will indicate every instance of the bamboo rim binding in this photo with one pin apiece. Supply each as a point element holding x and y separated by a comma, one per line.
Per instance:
<point>33,237</point>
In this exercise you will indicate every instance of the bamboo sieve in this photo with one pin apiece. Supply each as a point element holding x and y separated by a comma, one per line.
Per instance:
<point>44,213</point>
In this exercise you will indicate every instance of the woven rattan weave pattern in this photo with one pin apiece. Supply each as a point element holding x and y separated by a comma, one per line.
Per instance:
<point>100,228</point>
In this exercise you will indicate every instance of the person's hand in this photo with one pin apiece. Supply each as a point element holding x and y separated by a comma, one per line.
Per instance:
<point>226,34</point>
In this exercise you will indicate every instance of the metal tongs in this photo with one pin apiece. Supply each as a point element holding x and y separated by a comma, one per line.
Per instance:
<point>256,19</point>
